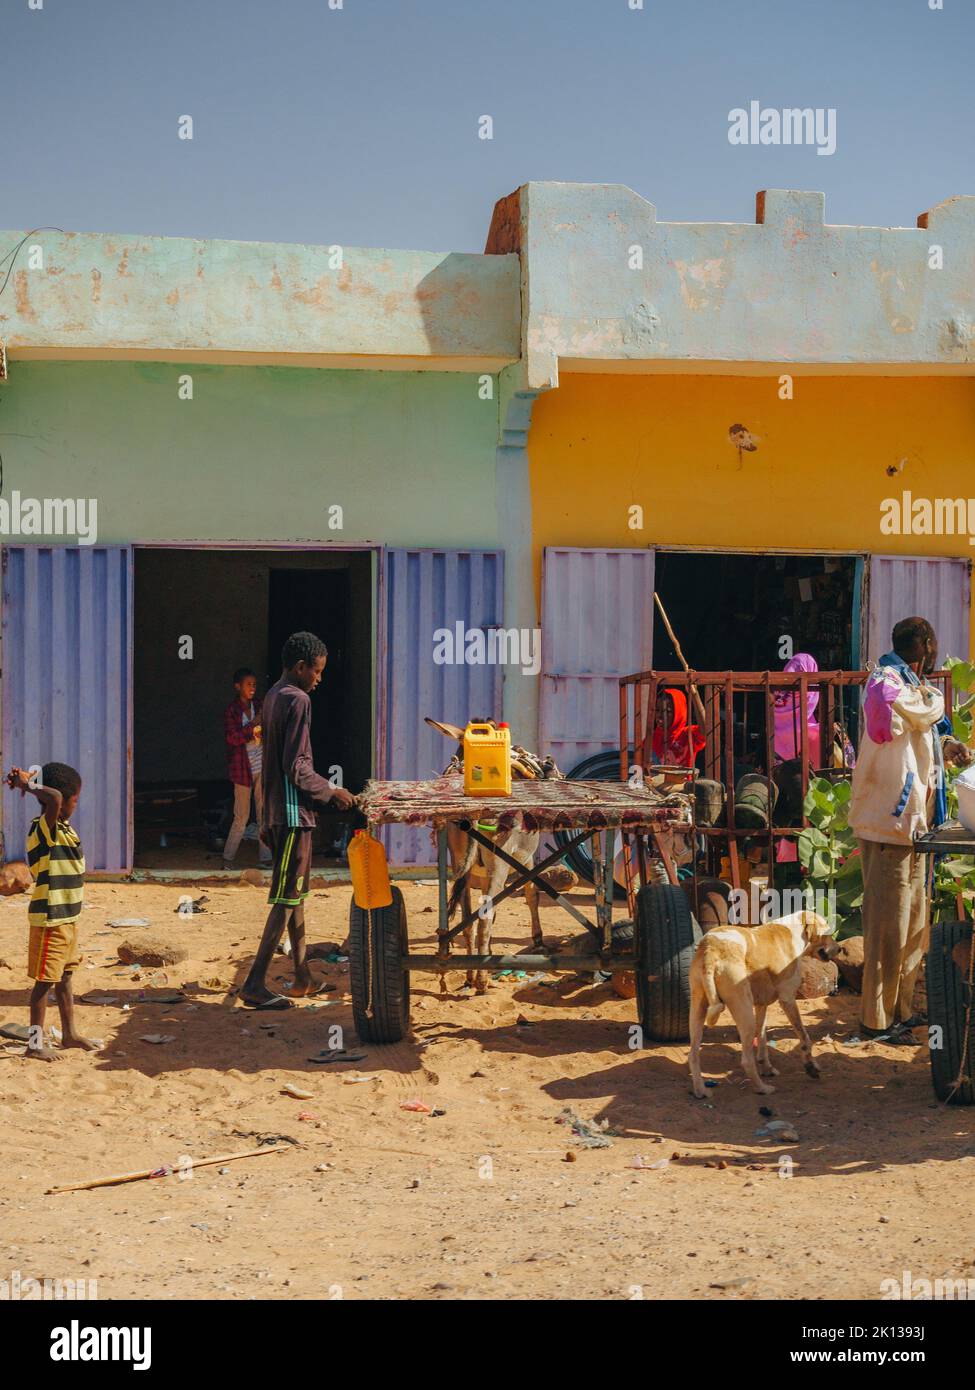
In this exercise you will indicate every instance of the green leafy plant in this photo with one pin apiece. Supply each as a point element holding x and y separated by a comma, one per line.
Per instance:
<point>963,711</point>
<point>956,874</point>
<point>828,851</point>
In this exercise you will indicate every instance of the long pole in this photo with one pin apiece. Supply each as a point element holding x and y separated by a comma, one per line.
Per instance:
<point>698,703</point>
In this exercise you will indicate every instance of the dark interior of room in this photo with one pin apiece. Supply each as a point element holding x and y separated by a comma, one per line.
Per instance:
<point>236,607</point>
<point>731,612</point>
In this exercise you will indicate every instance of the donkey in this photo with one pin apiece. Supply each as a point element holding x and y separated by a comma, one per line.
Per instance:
<point>466,853</point>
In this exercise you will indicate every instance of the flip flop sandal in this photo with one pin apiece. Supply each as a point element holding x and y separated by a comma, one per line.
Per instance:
<point>276,1001</point>
<point>18,1031</point>
<point>326,1056</point>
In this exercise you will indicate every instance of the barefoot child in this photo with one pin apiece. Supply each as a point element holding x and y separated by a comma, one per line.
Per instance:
<point>57,865</point>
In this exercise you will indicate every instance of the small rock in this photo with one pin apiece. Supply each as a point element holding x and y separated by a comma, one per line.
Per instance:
<point>819,978</point>
<point>15,878</point>
<point>150,950</point>
<point>849,962</point>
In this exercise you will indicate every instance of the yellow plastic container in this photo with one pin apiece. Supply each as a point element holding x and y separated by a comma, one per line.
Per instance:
<point>370,872</point>
<point>487,760</point>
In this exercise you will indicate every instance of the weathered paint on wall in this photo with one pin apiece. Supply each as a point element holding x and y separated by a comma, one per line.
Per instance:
<point>259,453</point>
<point>105,295</point>
<point>600,445</point>
<point>788,288</point>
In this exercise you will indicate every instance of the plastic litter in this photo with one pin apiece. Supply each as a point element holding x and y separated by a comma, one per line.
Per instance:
<point>419,1106</point>
<point>158,1037</point>
<point>128,922</point>
<point>298,1092</point>
<point>778,1129</point>
<point>590,1134</point>
<point>640,1162</point>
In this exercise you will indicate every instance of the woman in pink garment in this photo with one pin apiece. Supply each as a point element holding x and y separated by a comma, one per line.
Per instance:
<point>788,734</point>
<point>788,730</point>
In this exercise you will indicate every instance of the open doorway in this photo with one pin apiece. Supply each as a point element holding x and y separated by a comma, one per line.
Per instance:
<point>198,616</point>
<point>745,612</point>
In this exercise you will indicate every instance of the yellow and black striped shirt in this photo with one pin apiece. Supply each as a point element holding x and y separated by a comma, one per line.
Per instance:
<point>57,865</point>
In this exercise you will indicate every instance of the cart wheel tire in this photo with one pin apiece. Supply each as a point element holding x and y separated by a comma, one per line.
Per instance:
<point>666,935</point>
<point>378,977</point>
<point>948,1001</point>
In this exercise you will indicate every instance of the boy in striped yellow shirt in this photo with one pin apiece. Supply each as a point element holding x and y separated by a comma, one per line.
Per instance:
<point>57,865</point>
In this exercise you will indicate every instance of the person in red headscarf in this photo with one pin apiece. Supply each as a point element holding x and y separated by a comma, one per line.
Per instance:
<point>674,741</point>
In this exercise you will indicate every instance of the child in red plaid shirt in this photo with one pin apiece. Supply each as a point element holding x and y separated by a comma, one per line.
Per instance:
<point>242,735</point>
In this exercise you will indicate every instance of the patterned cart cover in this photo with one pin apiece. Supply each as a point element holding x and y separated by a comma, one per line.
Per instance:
<point>532,805</point>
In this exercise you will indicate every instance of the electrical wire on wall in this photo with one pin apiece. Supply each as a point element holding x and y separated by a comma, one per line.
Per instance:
<point>11,256</point>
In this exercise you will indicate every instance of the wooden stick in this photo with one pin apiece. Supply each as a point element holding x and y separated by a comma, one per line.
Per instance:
<point>152,1172</point>
<point>698,703</point>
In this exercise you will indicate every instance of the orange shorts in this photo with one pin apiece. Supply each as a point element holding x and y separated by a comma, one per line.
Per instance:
<point>53,951</point>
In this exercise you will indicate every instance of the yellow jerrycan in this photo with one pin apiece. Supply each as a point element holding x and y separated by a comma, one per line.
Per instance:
<point>487,760</point>
<point>370,872</point>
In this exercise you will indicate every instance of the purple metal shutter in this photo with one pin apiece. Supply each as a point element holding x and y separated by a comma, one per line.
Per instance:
<point>426,590</point>
<point>67,687</point>
<point>936,589</point>
<point>597,625</point>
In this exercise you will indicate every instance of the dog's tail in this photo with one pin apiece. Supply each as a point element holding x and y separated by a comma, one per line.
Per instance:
<point>715,1006</point>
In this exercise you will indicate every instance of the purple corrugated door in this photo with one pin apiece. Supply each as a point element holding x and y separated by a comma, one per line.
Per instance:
<point>936,589</point>
<point>597,625</point>
<point>67,687</point>
<point>427,590</point>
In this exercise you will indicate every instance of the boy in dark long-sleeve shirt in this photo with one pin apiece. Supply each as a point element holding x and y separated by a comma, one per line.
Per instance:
<point>292,787</point>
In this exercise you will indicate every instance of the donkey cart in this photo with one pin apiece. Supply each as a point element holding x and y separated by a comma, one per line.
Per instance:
<point>664,932</point>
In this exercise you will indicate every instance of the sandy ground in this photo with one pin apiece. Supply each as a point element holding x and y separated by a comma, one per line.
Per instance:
<point>372,1201</point>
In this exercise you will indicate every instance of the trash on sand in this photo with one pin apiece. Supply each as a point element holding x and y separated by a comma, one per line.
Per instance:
<point>641,1162</point>
<point>419,1106</point>
<point>172,996</point>
<point>18,1031</point>
<point>298,1092</point>
<point>711,1083</point>
<point>354,1080</point>
<point>778,1129</point>
<point>590,1134</point>
<point>188,906</point>
<point>157,1037</point>
<point>99,999</point>
<point>128,922</point>
<point>306,1115</point>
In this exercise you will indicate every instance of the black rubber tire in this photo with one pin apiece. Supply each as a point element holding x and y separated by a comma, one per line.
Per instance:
<point>666,935</point>
<point>947,1007</point>
<point>379,934</point>
<point>601,767</point>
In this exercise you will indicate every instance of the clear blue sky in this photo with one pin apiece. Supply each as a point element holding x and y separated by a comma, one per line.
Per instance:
<point>359,126</point>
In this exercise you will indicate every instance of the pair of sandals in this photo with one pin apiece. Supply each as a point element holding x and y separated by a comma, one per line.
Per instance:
<point>898,1034</point>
